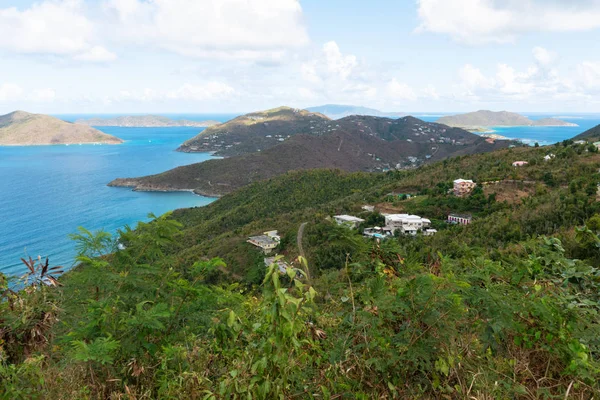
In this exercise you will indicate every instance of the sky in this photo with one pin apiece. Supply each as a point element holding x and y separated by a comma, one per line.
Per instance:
<point>226,56</point>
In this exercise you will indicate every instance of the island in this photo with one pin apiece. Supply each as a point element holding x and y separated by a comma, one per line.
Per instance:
<point>266,144</point>
<point>21,128</point>
<point>145,121</point>
<point>485,118</point>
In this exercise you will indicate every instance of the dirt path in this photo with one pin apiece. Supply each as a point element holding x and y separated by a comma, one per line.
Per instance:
<point>299,239</point>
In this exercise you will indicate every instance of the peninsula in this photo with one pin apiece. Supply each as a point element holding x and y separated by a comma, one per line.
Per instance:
<point>145,121</point>
<point>21,128</point>
<point>486,118</point>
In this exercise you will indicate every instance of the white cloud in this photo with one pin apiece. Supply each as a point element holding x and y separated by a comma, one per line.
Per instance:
<point>10,92</point>
<point>242,29</point>
<point>307,94</point>
<point>337,63</point>
<point>400,91</point>
<point>544,57</point>
<point>501,21</point>
<point>309,72</point>
<point>54,27</point>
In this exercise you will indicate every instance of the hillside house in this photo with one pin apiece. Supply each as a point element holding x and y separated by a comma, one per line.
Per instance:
<point>463,187</point>
<point>267,241</point>
<point>348,221</point>
<point>549,157</point>
<point>460,219</point>
<point>368,208</point>
<point>282,265</point>
<point>429,232</point>
<point>405,223</point>
<point>519,163</point>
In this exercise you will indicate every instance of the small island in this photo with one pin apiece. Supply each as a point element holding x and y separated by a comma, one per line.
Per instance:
<point>145,121</point>
<point>484,118</point>
<point>21,128</point>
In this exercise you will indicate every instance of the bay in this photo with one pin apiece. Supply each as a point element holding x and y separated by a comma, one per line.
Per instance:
<point>46,192</point>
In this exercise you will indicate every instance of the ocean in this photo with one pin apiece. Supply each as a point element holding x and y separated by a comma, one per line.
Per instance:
<point>544,135</point>
<point>46,192</point>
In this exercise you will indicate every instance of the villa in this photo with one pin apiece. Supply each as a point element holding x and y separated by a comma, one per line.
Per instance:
<point>463,187</point>
<point>267,241</point>
<point>460,219</point>
<point>348,221</point>
<point>407,224</point>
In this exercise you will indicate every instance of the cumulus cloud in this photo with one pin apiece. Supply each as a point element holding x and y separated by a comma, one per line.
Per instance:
<point>540,82</point>
<point>337,63</point>
<point>400,91</point>
<point>501,21</point>
<point>242,29</point>
<point>54,27</point>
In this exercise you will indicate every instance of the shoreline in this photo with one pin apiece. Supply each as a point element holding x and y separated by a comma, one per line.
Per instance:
<point>137,187</point>
<point>63,144</point>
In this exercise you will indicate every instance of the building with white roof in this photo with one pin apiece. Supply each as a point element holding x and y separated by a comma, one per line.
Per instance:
<point>348,220</point>
<point>407,224</point>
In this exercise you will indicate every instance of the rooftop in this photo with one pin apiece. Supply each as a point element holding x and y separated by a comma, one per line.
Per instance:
<point>348,218</point>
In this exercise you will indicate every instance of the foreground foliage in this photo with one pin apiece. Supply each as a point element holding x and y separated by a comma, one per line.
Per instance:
<point>505,308</point>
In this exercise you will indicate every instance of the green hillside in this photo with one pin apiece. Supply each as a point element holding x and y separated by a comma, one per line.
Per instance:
<point>183,307</point>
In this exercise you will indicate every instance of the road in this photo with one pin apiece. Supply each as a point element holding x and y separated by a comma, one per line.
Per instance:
<point>299,238</point>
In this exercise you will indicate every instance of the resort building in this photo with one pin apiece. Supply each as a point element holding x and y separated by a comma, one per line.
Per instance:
<point>519,163</point>
<point>463,187</point>
<point>405,223</point>
<point>267,241</point>
<point>461,219</point>
<point>348,220</point>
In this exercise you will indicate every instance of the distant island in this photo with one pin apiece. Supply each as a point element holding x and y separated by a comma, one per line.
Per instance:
<point>21,128</point>
<point>337,111</point>
<point>485,118</point>
<point>265,144</point>
<point>145,121</point>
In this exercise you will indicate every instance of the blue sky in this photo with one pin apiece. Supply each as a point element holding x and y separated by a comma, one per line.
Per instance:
<point>204,56</point>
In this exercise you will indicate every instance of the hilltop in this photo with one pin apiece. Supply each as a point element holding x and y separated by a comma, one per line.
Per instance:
<point>486,118</point>
<point>20,128</point>
<point>145,121</point>
<point>256,131</point>
<point>356,143</point>
<point>337,111</point>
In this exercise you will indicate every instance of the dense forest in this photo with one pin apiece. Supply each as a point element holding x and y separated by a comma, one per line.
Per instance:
<point>182,307</point>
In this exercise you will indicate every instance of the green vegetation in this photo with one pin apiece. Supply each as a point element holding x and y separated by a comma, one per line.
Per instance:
<point>182,307</point>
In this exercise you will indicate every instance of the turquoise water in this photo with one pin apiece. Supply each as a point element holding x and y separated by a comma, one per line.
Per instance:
<point>46,192</point>
<point>543,135</point>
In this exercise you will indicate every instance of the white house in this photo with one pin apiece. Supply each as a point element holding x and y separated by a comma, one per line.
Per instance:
<point>368,208</point>
<point>348,220</point>
<point>549,157</point>
<point>267,241</point>
<point>429,232</point>
<point>519,163</point>
<point>407,224</point>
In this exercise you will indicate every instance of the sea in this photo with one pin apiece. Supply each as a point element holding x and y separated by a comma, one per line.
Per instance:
<point>47,192</point>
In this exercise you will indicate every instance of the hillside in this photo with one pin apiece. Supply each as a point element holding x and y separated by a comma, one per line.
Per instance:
<point>591,134</point>
<point>486,118</point>
<point>144,121</point>
<point>184,307</point>
<point>337,111</point>
<point>357,143</point>
<point>20,128</point>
